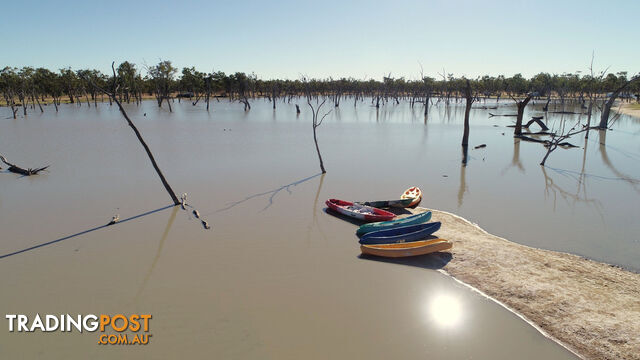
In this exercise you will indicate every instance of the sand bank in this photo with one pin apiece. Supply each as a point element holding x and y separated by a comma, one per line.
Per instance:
<point>628,109</point>
<point>590,307</point>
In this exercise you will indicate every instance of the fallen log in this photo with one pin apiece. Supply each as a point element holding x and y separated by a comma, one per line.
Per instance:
<point>18,170</point>
<point>537,120</point>
<point>526,138</point>
<point>567,145</point>
<point>545,142</point>
<point>492,115</point>
<point>538,133</point>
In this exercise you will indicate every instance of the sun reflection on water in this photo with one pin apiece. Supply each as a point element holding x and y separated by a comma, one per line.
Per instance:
<point>445,310</point>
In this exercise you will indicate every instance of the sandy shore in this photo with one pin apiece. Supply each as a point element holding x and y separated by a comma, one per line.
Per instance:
<point>589,307</point>
<point>629,109</point>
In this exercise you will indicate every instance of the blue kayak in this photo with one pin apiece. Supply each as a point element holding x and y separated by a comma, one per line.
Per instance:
<point>400,234</point>
<point>386,225</point>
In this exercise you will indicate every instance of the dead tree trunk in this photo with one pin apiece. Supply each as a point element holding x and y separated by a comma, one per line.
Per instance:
<point>168,102</point>
<point>604,118</point>
<point>521,105</point>
<point>467,110</point>
<point>34,97</point>
<point>426,104</point>
<point>208,92</point>
<point>9,99</point>
<point>546,106</point>
<point>589,111</point>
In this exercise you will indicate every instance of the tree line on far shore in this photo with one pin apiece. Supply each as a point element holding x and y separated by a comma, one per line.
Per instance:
<point>31,87</point>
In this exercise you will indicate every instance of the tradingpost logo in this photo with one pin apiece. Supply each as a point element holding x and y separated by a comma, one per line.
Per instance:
<point>118,329</point>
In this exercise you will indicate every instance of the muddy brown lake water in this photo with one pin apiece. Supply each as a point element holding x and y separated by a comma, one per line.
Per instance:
<point>277,277</point>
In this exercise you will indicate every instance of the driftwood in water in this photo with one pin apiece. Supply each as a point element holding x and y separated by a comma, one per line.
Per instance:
<point>567,145</point>
<point>18,170</point>
<point>492,115</point>
<point>558,140</point>
<point>537,120</point>
<point>526,138</point>
<point>480,146</point>
<point>546,142</point>
<point>538,133</point>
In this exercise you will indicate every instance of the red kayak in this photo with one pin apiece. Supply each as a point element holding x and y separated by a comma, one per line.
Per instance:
<point>360,212</point>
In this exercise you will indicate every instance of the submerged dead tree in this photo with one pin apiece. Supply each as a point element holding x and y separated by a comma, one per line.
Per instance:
<point>315,111</point>
<point>517,87</point>
<point>558,139</point>
<point>112,95</point>
<point>604,117</point>
<point>591,87</point>
<point>316,123</point>
<point>18,170</point>
<point>468,95</point>
<point>521,105</point>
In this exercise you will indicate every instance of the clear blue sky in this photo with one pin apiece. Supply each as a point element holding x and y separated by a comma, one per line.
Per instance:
<point>283,39</point>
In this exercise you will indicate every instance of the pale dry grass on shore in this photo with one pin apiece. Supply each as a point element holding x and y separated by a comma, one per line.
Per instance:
<point>628,109</point>
<point>590,307</point>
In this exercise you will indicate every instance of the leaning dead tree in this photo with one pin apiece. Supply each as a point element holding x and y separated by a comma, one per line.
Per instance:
<point>604,117</point>
<point>112,94</point>
<point>18,170</point>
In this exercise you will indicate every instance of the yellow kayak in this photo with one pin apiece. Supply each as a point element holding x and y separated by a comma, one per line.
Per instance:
<point>413,248</point>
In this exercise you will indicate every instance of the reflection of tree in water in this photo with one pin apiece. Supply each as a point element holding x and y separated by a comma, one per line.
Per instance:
<point>605,159</point>
<point>581,178</point>
<point>515,160</point>
<point>314,222</point>
<point>272,194</point>
<point>580,195</point>
<point>158,252</point>
<point>571,198</point>
<point>463,175</point>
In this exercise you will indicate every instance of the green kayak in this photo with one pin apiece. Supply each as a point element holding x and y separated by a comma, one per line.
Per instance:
<point>385,225</point>
<point>400,203</point>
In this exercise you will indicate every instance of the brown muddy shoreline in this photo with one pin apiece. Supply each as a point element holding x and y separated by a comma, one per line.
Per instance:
<point>589,307</point>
